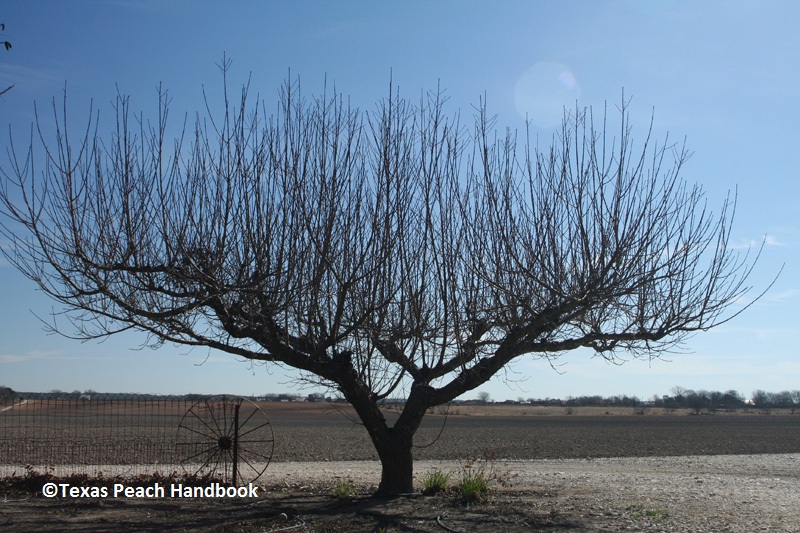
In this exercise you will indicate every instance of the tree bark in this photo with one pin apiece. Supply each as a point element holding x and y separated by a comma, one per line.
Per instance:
<point>394,444</point>
<point>397,463</point>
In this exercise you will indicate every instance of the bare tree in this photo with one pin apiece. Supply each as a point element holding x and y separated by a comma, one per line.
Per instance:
<point>391,252</point>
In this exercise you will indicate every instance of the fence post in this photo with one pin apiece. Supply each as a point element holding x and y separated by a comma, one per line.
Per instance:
<point>236,442</point>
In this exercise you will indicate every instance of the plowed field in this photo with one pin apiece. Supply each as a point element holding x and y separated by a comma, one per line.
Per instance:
<point>309,432</point>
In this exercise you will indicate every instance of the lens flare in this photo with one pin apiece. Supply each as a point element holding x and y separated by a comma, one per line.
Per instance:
<point>543,91</point>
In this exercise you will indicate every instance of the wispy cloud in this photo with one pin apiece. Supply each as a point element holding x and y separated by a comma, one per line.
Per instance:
<point>771,240</point>
<point>27,77</point>
<point>38,355</point>
<point>767,240</point>
<point>789,294</point>
<point>29,356</point>
<point>754,332</point>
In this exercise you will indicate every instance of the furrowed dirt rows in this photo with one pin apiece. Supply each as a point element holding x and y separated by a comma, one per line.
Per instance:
<point>310,433</point>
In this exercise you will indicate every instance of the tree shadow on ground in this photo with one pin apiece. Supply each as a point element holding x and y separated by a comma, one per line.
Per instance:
<point>301,512</point>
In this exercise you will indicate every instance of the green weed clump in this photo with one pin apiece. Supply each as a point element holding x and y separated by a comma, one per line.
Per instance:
<point>435,482</point>
<point>480,475</point>
<point>474,485</point>
<point>345,489</point>
<point>640,511</point>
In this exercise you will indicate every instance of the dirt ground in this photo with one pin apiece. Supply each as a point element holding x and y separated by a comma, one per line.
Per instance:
<point>303,511</point>
<point>293,511</point>
<point>563,490</point>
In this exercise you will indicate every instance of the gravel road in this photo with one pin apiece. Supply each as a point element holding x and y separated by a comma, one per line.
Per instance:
<point>703,493</point>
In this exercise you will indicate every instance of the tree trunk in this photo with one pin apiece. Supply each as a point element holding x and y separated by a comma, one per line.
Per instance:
<point>397,463</point>
<point>393,444</point>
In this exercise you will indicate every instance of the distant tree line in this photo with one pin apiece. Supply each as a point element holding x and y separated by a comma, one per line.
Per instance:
<point>599,401</point>
<point>681,398</point>
<point>781,400</point>
<point>701,400</point>
<point>7,392</point>
<point>696,400</point>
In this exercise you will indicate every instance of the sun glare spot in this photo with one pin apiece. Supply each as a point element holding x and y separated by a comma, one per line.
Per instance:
<point>568,80</point>
<point>543,91</point>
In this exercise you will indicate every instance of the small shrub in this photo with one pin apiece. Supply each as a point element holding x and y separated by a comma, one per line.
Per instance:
<point>435,482</point>
<point>345,489</point>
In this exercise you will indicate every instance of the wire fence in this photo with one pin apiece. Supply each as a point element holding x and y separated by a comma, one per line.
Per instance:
<point>119,435</point>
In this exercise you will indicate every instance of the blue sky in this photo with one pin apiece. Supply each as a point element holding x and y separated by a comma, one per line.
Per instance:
<point>722,74</point>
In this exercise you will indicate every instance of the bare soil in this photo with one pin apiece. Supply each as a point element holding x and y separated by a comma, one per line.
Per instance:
<point>588,471</point>
<point>308,432</point>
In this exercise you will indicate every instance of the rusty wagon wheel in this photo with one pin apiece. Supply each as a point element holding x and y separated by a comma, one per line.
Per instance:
<point>227,437</point>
